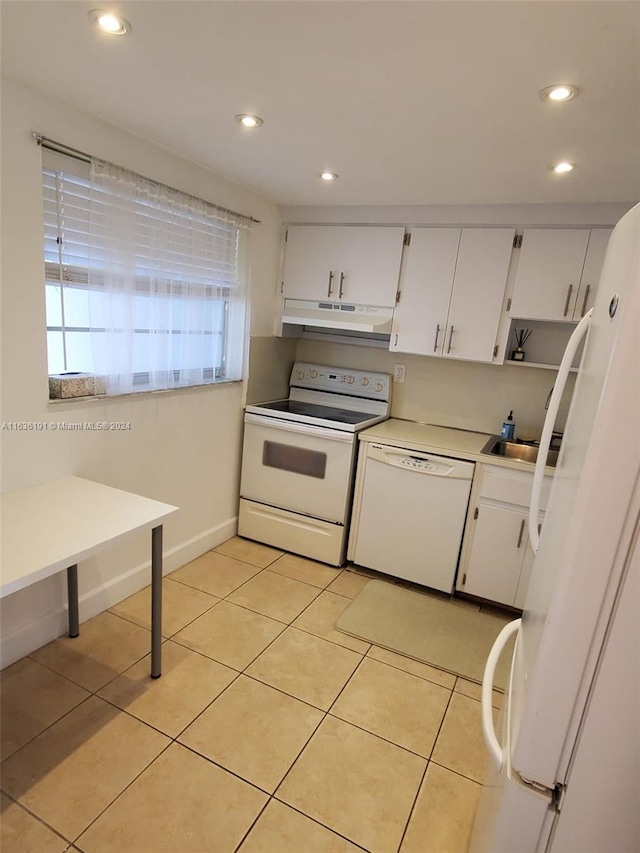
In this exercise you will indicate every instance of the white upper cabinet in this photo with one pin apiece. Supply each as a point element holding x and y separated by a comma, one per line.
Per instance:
<point>596,250</point>
<point>429,266</point>
<point>558,271</point>
<point>451,292</point>
<point>342,263</point>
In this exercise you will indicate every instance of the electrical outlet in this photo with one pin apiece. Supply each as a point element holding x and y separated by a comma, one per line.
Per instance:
<point>398,372</point>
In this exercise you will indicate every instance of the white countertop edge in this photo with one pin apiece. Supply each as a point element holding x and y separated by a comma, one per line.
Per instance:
<point>443,441</point>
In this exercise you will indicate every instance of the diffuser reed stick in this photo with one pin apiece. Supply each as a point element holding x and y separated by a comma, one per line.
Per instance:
<point>521,336</point>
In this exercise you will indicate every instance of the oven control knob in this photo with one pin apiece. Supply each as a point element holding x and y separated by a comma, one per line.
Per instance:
<point>350,380</point>
<point>378,386</point>
<point>364,381</point>
<point>300,374</point>
<point>313,374</point>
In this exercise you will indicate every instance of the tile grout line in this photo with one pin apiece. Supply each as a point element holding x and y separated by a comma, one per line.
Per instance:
<point>126,787</point>
<point>77,683</point>
<point>413,805</point>
<point>174,740</point>
<point>132,621</point>
<point>424,775</point>
<point>94,693</point>
<point>219,598</point>
<point>440,727</point>
<point>274,574</point>
<point>408,672</point>
<point>46,729</point>
<point>326,639</point>
<point>318,823</point>
<point>219,766</point>
<point>252,824</point>
<point>37,818</point>
<point>246,675</point>
<point>325,713</point>
<point>328,712</point>
<point>456,773</point>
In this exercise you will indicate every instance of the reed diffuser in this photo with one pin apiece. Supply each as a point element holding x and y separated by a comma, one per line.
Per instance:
<point>521,336</point>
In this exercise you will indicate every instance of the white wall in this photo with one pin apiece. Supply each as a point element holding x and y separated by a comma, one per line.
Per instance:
<point>507,215</point>
<point>270,363</point>
<point>462,394</point>
<point>183,446</point>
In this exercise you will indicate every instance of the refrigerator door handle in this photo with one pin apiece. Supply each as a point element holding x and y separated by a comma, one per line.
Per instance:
<point>488,731</point>
<point>545,439</point>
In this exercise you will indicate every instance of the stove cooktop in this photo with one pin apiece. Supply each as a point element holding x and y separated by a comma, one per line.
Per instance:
<point>320,396</point>
<point>314,410</point>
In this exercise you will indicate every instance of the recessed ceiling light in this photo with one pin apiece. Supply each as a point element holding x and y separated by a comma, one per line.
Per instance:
<point>247,120</point>
<point>110,23</point>
<point>562,168</point>
<point>328,176</point>
<point>559,92</point>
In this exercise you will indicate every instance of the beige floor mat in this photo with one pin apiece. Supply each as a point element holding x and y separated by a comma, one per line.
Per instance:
<point>447,634</point>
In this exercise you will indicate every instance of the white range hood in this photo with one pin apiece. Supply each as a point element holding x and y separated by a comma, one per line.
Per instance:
<point>336,315</point>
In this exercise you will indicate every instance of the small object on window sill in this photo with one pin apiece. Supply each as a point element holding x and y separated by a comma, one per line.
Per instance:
<point>66,385</point>
<point>517,354</point>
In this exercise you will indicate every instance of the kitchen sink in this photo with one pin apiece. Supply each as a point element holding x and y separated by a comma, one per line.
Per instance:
<point>525,451</point>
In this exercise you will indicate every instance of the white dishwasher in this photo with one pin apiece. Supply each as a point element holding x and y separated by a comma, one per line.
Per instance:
<point>409,514</point>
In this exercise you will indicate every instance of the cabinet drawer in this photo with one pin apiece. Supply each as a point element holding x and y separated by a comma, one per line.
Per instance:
<point>512,487</point>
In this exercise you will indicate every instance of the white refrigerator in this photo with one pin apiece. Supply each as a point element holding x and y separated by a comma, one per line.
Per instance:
<point>565,774</point>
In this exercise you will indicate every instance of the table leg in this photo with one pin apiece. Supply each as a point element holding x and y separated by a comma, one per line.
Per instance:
<point>72,595</point>
<point>156,602</point>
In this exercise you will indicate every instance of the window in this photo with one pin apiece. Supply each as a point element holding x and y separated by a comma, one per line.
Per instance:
<point>145,285</point>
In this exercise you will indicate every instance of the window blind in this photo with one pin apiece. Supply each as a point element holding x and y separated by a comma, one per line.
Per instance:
<point>212,239</point>
<point>114,239</point>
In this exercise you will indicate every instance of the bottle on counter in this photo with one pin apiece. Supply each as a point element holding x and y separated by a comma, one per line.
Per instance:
<point>508,427</point>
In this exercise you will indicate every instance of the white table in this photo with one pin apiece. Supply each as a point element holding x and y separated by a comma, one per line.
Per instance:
<point>54,526</point>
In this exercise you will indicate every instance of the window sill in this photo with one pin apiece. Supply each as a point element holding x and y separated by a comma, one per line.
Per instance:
<point>106,398</point>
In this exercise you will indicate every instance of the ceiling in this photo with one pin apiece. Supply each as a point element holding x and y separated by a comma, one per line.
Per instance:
<point>424,102</point>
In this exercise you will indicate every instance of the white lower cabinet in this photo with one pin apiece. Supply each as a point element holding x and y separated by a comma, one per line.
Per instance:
<point>497,559</point>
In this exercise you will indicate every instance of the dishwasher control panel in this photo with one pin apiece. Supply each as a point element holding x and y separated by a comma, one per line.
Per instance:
<point>416,462</point>
<point>434,465</point>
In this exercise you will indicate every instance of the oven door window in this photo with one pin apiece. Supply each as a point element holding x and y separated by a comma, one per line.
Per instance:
<point>298,460</point>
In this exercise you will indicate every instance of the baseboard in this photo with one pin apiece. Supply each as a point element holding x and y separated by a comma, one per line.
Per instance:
<point>27,638</point>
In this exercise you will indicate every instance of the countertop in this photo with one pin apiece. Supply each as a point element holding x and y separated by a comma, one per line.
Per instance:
<point>447,441</point>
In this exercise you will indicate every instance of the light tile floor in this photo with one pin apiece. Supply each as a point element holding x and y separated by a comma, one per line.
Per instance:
<point>269,731</point>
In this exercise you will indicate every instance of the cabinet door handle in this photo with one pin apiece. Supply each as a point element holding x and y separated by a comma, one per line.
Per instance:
<point>566,304</point>
<point>450,339</point>
<point>586,298</point>
<point>330,283</point>
<point>520,534</point>
<point>435,343</point>
<point>341,285</point>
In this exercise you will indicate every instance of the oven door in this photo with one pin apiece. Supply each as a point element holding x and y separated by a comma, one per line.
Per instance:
<point>303,468</point>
